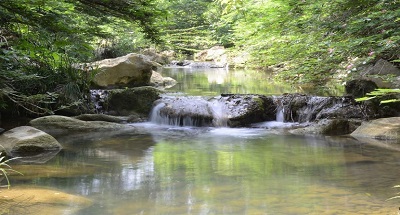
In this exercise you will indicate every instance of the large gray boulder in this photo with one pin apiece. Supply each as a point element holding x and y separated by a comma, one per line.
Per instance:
<point>383,129</point>
<point>131,70</point>
<point>27,139</point>
<point>60,125</point>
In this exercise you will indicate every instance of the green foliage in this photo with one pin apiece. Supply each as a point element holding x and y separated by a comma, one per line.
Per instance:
<point>381,93</point>
<point>313,40</point>
<point>186,25</point>
<point>40,41</point>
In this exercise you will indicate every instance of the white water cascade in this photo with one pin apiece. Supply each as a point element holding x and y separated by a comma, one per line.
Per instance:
<point>190,111</point>
<point>280,117</point>
<point>220,118</point>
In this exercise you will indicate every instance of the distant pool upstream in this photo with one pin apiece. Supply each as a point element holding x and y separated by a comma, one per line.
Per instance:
<point>172,170</point>
<point>213,82</point>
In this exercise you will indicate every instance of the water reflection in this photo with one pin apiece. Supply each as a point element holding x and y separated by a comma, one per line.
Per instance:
<point>173,170</point>
<point>212,82</point>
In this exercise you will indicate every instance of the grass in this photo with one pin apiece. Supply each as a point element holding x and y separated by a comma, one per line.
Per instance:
<point>5,168</point>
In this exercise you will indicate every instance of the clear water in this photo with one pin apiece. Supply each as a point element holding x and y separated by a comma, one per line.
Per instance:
<point>213,82</point>
<point>183,170</point>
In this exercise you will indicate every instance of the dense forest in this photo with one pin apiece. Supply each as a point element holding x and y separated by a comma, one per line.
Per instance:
<point>307,41</point>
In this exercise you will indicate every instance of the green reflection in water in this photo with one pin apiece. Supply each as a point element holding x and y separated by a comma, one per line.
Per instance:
<point>259,176</point>
<point>222,171</point>
<point>212,82</point>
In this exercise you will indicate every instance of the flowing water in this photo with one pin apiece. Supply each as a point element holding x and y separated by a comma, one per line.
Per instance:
<point>164,169</point>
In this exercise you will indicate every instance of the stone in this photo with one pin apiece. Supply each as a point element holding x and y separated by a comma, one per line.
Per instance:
<point>158,81</point>
<point>226,110</point>
<point>61,125</point>
<point>359,87</point>
<point>303,108</point>
<point>162,58</point>
<point>216,54</point>
<point>131,70</point>
<point>182,111</point>
<point>39,201</point>
<point>27,139</point>
<point>382,67</point>
<point>131,101</point>
<point>243,110</point>
<point>383,129</point>
<point>101,117</point>
<point>328,127</point>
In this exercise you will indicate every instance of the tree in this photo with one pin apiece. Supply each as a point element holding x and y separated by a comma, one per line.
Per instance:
<point>40,40</point>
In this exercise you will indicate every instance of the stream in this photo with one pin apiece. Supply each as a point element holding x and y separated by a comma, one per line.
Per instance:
<point>172,170</point>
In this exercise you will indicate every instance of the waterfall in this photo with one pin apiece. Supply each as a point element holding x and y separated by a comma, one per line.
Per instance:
<point>280,117</point>
<point>182,111</point>
<point>219,114</point>
<point>280,110</point>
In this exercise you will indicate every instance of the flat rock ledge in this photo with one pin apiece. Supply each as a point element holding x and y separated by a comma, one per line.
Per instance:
<point>380,129</point>
<point>60,125</point>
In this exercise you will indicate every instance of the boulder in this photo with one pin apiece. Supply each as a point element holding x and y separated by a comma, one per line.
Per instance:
<point>303,108</point>
<point>359,87</point>
<point>243,110</point>
<point>101,117</point>
<point>182,111</point>
<point>157,80</point>
<point>125,102</point>
<point>383,129</point>
<point>382,68</point>
<point>226,110</point>
<point>27,139</point>
<point>328,127</point>
<point>217,55</point>
<point>162,58</point>
<point>60,125</point>
<point>131,70</point>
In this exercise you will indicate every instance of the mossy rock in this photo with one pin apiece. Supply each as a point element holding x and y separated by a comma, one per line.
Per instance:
<point>129,101</point>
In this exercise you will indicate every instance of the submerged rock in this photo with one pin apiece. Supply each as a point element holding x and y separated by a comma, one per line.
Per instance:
<point>27,139</point>
<point>39,201</point>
